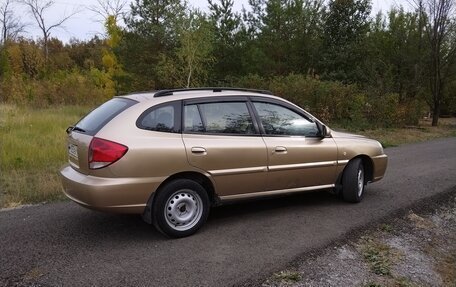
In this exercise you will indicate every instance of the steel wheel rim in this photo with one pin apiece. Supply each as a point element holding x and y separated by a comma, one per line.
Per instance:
<point>183,210</point>
<point>360,182</point>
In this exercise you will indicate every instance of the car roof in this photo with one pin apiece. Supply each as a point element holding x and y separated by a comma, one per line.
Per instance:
<point>178,94</point>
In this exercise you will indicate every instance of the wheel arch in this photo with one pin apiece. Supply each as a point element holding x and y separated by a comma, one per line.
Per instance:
<point>200,178</point>
<point>368,165</point>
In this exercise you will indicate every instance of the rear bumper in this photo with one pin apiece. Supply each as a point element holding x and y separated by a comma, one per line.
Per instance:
<point>118,195</point>
<point>380,163</point>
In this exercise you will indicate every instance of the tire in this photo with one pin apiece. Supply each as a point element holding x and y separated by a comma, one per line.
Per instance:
<point>180,208</point>
<point>353,181</point>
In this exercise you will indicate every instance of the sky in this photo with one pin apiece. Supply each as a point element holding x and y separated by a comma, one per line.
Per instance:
<point>84,25</point>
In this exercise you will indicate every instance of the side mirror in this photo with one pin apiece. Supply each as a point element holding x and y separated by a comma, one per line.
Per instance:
<point>322,128</point>
<point>69,129</point>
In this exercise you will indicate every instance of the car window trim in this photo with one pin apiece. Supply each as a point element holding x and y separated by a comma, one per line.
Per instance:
<point>202,117</point>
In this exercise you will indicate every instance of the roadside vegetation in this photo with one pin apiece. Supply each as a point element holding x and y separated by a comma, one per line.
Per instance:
<point>424,131</point>
<point>32,149</point>
<point>418,249</point>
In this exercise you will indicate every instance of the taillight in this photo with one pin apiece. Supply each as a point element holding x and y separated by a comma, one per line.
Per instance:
<point>103,153</point>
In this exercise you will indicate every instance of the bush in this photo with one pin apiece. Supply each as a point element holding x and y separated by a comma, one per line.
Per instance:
<point>60,88</point>
<point>338,104</point>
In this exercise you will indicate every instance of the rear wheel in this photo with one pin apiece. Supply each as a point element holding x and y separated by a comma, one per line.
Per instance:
<point>353,181</point>
<point>180,208</point>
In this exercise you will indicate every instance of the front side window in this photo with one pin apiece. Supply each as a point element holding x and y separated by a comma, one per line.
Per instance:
<point>278,120</point>
<point>160,119</point>
<point>219,118</point>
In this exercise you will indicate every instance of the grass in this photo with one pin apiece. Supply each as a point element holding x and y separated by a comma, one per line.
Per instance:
<point>287,276</point>
<point>32,149</point>
<point>423,132</point>
<point>378,256</point>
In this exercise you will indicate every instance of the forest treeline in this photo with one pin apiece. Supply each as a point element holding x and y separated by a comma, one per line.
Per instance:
<point>331,57</point>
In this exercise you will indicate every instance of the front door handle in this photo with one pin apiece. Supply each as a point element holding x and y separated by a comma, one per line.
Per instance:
<point>280,149</point>
<point>198,150</point>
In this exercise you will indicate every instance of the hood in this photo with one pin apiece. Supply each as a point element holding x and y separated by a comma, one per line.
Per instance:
<point>337,134</point>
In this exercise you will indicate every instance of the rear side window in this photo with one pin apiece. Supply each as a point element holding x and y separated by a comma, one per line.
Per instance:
<point>193,122</point>
<point>99,117</point>
<point>218,118</point>
<point>162,118</point>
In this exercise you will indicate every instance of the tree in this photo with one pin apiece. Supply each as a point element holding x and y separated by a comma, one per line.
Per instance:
<point>441,38</point>
<point>152,31</point>
<point>87,54</point>
<point>110,62</point>
<point>283,35</point>
<point>107,8</point>
<point>345,29</point>
<point>38,9</point>
<point>290,35</point>
<point>11,24</point>
<point>226,25</point>
<point>188,66</point>
<point>395,55</point>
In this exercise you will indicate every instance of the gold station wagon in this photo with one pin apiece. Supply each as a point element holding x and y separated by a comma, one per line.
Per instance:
<point>172,154</point>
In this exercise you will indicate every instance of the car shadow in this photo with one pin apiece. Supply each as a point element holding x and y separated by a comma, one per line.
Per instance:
<point>104,226</point>
<point>237,209</point>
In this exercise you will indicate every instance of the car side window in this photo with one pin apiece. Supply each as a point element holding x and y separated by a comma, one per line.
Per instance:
<point>160,119</point>
<point>279,120</point>
<point>192,119</point>
<point>218,118</point>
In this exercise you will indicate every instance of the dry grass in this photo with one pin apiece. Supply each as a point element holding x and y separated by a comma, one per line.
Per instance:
<point>287,276</point>
<point>423,132</point>
<point>32,148</point>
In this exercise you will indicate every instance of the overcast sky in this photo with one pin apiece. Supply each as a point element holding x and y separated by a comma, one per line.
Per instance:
<point>83,25</point>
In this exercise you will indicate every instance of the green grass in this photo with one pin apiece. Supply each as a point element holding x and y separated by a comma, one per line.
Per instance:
<point>32,149</point>
<point>378,255</point>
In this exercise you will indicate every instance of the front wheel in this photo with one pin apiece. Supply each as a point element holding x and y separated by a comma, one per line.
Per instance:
<point>180,208</point>
<point>353,181</point>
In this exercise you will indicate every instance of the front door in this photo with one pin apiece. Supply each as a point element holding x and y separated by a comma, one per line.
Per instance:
<point>297,156</point>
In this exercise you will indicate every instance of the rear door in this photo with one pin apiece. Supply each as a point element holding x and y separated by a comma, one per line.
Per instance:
<point>222,138</point>
<point>297,156</point>
<point>80,136</point>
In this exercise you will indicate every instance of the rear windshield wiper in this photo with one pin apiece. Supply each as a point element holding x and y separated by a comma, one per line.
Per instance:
<point>76,129</point>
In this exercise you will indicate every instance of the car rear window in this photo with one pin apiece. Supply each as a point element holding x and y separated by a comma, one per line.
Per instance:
<point>99,117</point>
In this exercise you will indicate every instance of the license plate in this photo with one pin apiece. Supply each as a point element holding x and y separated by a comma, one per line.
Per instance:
<point>73,151</point>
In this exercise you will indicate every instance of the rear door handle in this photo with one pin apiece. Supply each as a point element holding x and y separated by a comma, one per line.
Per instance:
<point>280,149</point>
<point>198,150</point>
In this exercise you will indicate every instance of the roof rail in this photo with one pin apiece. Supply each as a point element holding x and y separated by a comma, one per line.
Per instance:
<point>137,92</point>
<point>170,92</point>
